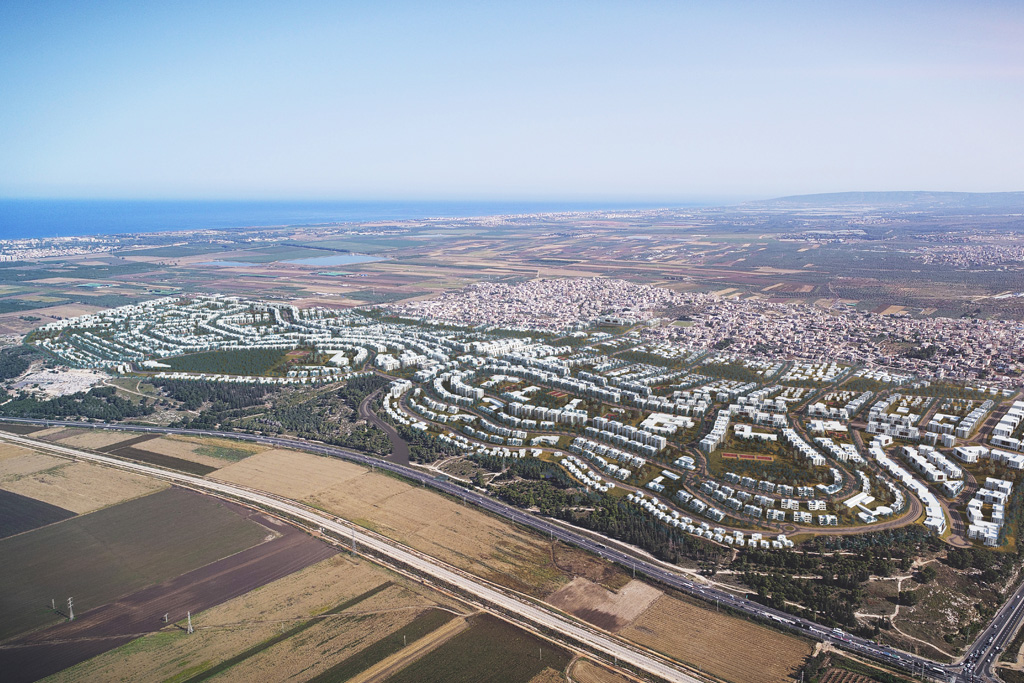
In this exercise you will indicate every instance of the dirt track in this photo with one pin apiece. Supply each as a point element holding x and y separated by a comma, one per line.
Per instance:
<point>56,648</point>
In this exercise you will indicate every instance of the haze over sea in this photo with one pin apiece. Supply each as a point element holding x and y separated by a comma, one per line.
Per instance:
<point>26,218</point>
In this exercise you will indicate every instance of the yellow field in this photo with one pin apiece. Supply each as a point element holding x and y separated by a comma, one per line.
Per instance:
<point>54,433</point>
<point>549,675</point>
<point>289,473</point>
<point>585,671</point>
<point>16,462</point>
<point>94,438</point>
<point>76,486</point>
<point>460,535</point>
<point>319,647</point>
<point>719,644</point>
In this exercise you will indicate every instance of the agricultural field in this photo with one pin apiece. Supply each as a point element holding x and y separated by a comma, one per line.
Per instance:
<point>585,671</point>
<point>93,439</point>
<point>127,449</point>
<point>78,487</point>
<point>19,514</point>
<point>208,452</point>
<point>489,650</point>
<point>461,535</point>
<point>82,487</point>
<point>602,607</point>
<point>829,666</point>
<point>379,658</point>
<point>16,461</point>
<point>115,551</point>
<point>205,451</point>
<point>300,626</point>
<point>96,631</point>
<point>717,643</point>
<point>19,428</point>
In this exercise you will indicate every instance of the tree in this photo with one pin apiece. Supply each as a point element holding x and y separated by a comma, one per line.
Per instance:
<point>908,598</point>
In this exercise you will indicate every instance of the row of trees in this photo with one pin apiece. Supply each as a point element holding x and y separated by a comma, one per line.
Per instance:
<point>611,517</point>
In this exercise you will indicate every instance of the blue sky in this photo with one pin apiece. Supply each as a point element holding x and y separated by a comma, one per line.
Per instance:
<point>558,100</point>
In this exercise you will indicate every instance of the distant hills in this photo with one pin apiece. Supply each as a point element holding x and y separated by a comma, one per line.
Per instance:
<point>913,201</point>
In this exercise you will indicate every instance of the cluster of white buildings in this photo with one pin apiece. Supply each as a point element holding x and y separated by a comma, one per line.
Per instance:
<point>814,372</point>
<point>598,452</point>
<point>972,454</point>
<point>587,476</point>
<point>805,449</point>
<point>843,452</point>
<point>935,517</point>
<point>1004,434</point>
<point>995,493</point>
<point>935,467</point>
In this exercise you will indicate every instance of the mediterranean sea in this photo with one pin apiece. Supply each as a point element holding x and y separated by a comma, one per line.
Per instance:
<point>27,218</point>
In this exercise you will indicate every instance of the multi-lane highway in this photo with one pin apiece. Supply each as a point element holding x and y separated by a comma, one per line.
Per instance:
<point>1001,628</point>
<point>978,663</point>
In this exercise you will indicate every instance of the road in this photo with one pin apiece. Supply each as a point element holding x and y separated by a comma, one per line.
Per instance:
<point>420,563</point>
<point>855,644</point>
<point>399,448</point>
<point>978,663</point>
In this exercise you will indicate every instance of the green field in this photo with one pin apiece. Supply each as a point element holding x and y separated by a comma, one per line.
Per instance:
<point>490,650</point>
<point>234,362</point>
<point>179,250</point>
<point>224,452</point>
<point>98,557</point>
<point>15,305</point>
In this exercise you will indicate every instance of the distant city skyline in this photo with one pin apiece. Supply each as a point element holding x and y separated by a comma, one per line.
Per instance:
<point>577,101</point>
